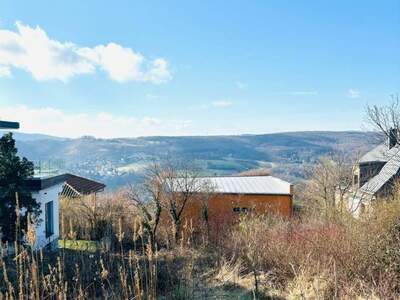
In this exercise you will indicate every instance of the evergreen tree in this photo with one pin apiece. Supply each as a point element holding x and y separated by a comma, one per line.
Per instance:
<point>14,172</point>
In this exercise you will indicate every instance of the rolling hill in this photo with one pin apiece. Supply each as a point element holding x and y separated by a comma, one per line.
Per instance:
<point>120,161</point>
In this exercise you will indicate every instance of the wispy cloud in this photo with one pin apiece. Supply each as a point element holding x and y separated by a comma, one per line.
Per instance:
<point>31,50</point>
<point>216,104</point>
<point>240,85</point>
<point>353,93</point>
<point>5,71</point>
<point>222,103</point>
<point>53,121</point>
<point>184,124</point>
<point>303,93</point>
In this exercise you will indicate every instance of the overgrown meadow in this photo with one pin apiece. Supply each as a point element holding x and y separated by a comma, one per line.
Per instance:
<point>311,256</point>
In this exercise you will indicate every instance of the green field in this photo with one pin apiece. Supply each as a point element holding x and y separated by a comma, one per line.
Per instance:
<point>79,245</point>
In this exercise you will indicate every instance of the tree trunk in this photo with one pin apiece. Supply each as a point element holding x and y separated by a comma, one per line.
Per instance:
<point>255,284</point>
<point>177,231</point>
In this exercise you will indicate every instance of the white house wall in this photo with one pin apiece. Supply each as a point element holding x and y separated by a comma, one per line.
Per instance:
<point>42,197</point>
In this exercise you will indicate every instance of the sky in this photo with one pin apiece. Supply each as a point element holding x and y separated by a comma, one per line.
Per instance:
<point>138,68</point>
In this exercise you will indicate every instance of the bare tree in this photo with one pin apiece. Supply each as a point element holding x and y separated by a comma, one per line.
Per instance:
<point>386,117</point>
<point>330,181</point>
<point>169,187</point>
<point>93,217</point>
<point>147,198</point>
<point>344,176</point>
<point>183,185</point>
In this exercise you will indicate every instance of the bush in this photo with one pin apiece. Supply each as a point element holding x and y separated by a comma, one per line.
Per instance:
<point>96,217</point>
<point>342,254</point>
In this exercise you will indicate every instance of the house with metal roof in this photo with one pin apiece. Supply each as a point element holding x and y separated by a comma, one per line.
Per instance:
<point>230,196</point>
<point>378,170</point>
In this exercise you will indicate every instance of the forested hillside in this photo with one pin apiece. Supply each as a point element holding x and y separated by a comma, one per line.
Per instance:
<point>120,161</point>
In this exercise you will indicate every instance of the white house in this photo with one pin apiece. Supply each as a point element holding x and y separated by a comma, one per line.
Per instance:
<point>47,191</point>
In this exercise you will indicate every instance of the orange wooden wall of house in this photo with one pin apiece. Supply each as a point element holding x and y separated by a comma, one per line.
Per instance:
<point>221,207</point>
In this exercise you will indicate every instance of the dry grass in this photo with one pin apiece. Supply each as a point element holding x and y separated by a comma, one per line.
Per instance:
<point>341,257</point>
<point>262,256</point>
<point>97,218</point>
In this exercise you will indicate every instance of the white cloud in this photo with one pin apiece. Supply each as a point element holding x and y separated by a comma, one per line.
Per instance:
<point>353,93</point>
<point>159,72</point>
<point>303,93</point>
<point>121,64</point>
<point>32,50</point>
<point>222,103</point>
<point>49,120</point>
<point>5,71</point>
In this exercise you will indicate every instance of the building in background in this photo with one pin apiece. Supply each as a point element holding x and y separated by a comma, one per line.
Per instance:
<point>378,171</point>
<point>230,196</point>
<point>376,175</point>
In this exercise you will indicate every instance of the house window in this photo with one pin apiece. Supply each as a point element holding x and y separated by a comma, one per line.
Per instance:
<point>355,179</point>
<point>49,219</point>
<point>240,209</point>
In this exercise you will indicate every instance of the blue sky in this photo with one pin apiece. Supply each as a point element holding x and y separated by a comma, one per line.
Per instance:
<point>130,68</point>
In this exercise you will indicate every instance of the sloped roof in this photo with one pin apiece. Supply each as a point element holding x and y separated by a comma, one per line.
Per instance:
<point>264,185</point>
<point>390,169</point>
<point>380,153</point>
<point>73,185</point>
<point>41,183</point>
<point>81,186</point>
<point>376,154</point>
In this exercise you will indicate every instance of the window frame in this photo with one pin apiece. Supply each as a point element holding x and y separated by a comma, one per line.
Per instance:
<point>49,218</point>
<point>240,210</point>
<point>356,179</point>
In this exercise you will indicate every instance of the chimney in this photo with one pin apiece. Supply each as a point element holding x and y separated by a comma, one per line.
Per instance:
<point>392,138</point>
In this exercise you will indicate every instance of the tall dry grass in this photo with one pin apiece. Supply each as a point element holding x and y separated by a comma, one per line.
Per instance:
<point>306,257</point>
<point>70,274</point>
<point>130,269</point>
<point>95,217</point>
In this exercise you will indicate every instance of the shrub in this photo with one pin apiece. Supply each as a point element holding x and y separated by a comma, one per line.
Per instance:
<point>342,254</point>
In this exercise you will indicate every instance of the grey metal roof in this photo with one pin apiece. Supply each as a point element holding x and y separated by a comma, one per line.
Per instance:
<point>266,185</point>
<point>390,169</point>
<point>379,153</point>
